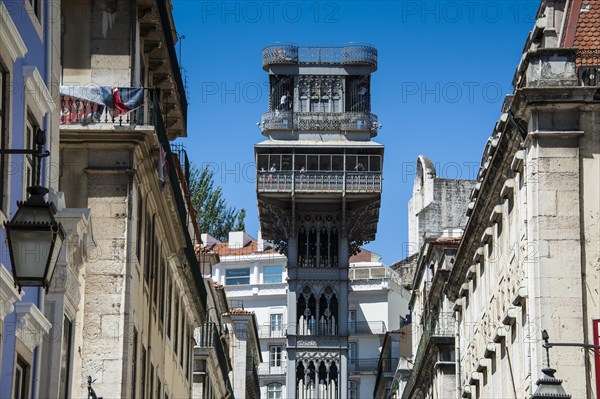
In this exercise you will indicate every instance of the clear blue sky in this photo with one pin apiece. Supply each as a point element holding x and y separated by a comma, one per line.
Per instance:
<point>444,69</point>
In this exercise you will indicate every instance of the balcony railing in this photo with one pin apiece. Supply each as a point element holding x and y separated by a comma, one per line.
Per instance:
<point>367,327</point>
<point>272,331</point>
<point>353,54</point>
<point>320,121</point>
<point>84,106</point>
<point>309,181</point>
<point>372,365</point>
<point>265,369</point>
<point>437,327</point>
<point>207,337</point>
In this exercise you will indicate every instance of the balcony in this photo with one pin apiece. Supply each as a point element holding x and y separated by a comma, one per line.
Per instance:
<point>366,327</point>
<point>208,345</point>
<point>266,370</point>
<point>290,54</point>
<point>272,331</point>
<point>438,329</point>
<point>322,182</point>
<point>559,67</point>
<point>372,366</point>
<point>94,106</point>
<point>320,121</point>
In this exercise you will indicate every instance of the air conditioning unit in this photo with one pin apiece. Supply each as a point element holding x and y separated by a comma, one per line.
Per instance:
<point>589,75</point>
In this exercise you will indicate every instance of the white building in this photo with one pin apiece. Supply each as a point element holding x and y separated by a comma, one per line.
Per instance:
<point>254,276</point>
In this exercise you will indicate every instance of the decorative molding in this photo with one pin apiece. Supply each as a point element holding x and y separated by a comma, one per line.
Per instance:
<point>8,293</point>
<point>36,89</point>
<point>10,35</point>
<point>31,324</point>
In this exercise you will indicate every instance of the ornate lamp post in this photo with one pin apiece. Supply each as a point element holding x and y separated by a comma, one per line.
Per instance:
<point>34,236</point>
<point>548,385</point>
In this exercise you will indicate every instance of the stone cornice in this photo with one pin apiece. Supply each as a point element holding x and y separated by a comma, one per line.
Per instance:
<point>491,185</point>
<point>8,293</point>
<point>10,35</point>
<point>31,324</point>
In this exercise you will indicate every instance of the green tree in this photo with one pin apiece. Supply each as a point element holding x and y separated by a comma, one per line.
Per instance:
<point>215,217</point>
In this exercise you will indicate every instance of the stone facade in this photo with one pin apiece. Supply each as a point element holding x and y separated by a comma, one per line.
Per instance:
<point>528,260</point>
<point>141,293</point>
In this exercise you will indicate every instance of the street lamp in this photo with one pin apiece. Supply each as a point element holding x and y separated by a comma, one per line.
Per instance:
<point>34,236</point>
<point>548,385</point>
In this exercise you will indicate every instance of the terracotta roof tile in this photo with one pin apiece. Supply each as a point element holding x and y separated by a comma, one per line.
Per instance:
<point>252,248</point>
<point>587,34</point>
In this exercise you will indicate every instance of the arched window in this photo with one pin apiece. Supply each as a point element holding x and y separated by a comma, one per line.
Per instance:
<point>274,391</point>
<point>352,389</point>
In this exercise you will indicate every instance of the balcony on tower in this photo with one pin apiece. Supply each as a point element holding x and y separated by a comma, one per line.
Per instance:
<point>303,171</point>
<point>320,89</point>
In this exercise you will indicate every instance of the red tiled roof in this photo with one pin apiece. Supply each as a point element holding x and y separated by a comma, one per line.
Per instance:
<point>252,248</point>
<point>362,256</point>
<point>587,35</point>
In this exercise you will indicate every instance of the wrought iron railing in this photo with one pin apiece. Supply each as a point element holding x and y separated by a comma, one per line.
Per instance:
<point>179,151</point>
<point>207,336</point>
<point>293,54</point>
<point>75,110</point>
<point>331,181</point>
<point>362,365</point>
<point>272,331</point>
<point>367,327</point>
<point>436,325</point>
<point>320,121</point>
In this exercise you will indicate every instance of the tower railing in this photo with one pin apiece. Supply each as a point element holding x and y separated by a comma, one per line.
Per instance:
<point>352,54</point>
<point>320,121</point>
<point>326,181</point>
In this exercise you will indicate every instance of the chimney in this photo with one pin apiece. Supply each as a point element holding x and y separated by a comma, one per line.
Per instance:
<point>238,239</point>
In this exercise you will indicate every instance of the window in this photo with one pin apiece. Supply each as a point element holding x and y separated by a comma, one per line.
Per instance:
<point>274,391</point>
<point>65,363</point>
<point>140,215</point>
<point>182,340</point>
<point>353,390</point>
<point>31,129</point>
<point>176,332</point>
<point>3,135</point>
<point>237,276</point>
<point>169,306</point>
<point>151,386</point>
<point>351,352</point>
<point>36,6</point>
<point>143,373</point>
<point>134,363</point>
<point>277,325</point>
<point>21,384</point>
<point>352,321</point>
<point>275,356</point>
<point>272,274</point>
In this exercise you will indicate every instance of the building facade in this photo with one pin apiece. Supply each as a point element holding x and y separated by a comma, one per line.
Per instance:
<point>32,321</point>
<point>141,293</point>
<point>528,259</point>
<point>254,276</point>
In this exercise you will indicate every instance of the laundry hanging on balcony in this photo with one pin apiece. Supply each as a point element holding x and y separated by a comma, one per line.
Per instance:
<point>92,104</point>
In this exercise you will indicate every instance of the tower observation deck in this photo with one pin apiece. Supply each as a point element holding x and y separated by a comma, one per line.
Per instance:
<point>319,183</point>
